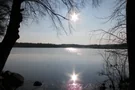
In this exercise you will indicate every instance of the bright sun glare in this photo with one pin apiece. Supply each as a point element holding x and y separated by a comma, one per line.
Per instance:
<point>71,49</point>
<point>74,17</point>
<point>74,77</point>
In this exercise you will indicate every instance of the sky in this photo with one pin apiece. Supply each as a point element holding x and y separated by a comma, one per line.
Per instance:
<point>89,19</point>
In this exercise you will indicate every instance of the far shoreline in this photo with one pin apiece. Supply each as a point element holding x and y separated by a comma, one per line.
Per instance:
<point>92,46</point>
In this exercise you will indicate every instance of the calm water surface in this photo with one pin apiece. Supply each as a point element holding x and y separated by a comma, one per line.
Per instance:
<point>55,64</point>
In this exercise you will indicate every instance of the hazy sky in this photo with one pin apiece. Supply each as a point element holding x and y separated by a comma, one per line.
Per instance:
<point>44,32</point>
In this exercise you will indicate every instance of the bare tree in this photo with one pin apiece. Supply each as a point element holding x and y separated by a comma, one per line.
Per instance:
<point>116,61</point>
<point>4,13</point>
<point>116,33</point>
<point>116,69</point>
<point>127,25</point>
<point>32,8</point>
<point>46,5</point>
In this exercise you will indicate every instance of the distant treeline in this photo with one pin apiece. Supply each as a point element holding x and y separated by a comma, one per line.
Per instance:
<point>48,45</point>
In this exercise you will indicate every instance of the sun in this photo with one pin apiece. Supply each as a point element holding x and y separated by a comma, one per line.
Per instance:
<point>74,17</point>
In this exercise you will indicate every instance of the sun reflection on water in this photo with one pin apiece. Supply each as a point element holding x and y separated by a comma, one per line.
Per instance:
<point>73,83</point>
<point>73,50</point>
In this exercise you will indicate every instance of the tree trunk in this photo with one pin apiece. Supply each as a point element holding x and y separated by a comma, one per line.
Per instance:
<point>130,41</point>
<point>12,33</point>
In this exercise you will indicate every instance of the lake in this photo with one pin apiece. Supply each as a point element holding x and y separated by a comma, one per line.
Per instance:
<point>50,65</point>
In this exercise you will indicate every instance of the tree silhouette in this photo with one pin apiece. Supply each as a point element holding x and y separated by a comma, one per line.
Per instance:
<point>123,31</point>
<point>48,7</point>
<point>31,8</point>
<point>115,61</point>
<point>4,13</point>
<point>130,38</point>
<point>116,69</point>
